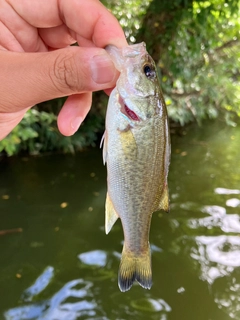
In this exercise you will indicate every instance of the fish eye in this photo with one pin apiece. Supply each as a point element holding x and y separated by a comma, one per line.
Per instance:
<point>149,71</point>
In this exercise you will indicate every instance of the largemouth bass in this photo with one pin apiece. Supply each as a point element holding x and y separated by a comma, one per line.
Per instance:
<point>137,152</point>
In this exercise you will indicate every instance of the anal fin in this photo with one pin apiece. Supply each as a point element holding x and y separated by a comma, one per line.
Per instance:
<point>110,215</point>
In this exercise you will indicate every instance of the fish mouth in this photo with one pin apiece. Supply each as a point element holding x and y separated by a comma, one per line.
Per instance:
<point>127,111</point>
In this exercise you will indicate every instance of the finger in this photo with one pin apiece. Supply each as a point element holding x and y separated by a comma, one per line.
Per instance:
<point>101,27</point>
<point>8,41</point>
<point>16,33</point>
<point>74,112</point>
<point>57,37</point>
<point>90,20</point>
<point>37,77</point>
<point>108,91</point>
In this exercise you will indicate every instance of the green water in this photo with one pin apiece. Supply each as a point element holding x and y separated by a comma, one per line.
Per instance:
<point>63,266</point>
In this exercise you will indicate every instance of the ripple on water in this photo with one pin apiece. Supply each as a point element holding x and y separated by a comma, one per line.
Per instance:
<point>226,191</point>
<point>233,203</point>
<point>39,285</point>
<point>229,299</point>
<point>217,255</point>
<point>94,258</point>
<point>73,301</point>
<point>218,217</point>
<point>151,305</point>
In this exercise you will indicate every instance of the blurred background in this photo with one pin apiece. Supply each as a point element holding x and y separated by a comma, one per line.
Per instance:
<point>56,263</point>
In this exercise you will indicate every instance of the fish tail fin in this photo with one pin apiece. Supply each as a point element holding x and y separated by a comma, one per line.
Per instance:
<point>135,268</point>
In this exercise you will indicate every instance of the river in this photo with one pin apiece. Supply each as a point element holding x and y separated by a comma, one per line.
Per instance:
<point>61,266</point>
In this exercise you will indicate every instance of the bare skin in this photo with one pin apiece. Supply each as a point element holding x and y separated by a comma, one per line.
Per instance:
<point>38,64</point>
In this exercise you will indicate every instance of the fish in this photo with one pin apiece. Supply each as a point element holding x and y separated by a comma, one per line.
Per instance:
<point>136,151</point>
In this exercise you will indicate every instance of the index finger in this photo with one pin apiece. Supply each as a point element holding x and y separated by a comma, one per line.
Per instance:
<point>90,22</point>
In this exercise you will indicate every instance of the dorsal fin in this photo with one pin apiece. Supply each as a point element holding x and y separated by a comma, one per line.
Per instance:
<point>164,201</point>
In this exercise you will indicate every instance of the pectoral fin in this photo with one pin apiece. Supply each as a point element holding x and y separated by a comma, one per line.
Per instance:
<point>104,143</point>
<point>128,144</point>
<point>110,215</point>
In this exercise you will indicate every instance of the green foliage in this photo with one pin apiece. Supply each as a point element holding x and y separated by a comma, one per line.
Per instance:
<point>130,14</point>
<point>200,68</point>
<point>38,133</point>
<point>196,45</point>
<point>26,132</point>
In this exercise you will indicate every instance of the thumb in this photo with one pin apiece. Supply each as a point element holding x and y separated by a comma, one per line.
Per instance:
<point>30,78</point>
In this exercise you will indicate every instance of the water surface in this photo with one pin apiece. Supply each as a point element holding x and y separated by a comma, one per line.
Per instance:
<point>63,266</point>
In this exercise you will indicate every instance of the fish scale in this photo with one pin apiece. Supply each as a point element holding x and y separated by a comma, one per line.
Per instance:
<point>137,152</point>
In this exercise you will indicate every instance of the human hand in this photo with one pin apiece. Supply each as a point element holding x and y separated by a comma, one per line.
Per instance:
<point>37,62</point>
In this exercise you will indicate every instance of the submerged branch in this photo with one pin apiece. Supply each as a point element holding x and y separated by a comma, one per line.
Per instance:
<point>9,231</point>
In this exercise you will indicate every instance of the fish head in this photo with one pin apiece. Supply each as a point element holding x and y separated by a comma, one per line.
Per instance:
<point>138,85</point>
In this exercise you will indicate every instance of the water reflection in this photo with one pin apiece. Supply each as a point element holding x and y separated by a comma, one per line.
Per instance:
<point>94,258</point>
<point>217,256</point>
<point>195,248</point>
<point>229,299</point>
<point>78,300</point>
<point>226,191</point>
<point>218,217</point>
<point>152,305</point>
<point>219,259</point>
<point>40,284</point>
<point>60,306</point>
<point>233,202</point>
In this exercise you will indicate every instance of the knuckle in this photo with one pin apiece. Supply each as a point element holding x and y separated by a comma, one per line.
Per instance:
<point>64,73</point>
